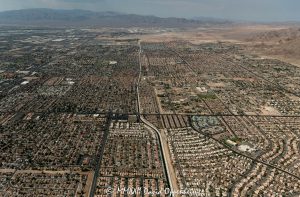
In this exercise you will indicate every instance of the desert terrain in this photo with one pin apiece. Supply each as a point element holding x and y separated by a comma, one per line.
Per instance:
<point>279,41</point>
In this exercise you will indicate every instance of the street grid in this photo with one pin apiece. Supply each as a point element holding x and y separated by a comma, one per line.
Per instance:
<point>79,117</point>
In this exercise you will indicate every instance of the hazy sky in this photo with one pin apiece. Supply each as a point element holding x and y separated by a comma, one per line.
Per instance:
<point>255,10</point>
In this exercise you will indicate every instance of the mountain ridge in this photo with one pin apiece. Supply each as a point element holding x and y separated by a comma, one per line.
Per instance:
<point>77,17</point>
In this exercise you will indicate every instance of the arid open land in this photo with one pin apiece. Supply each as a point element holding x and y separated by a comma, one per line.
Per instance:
<point>211,111</point>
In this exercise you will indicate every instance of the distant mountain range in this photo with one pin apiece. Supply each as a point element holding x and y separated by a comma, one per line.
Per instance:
<point>84,18</point>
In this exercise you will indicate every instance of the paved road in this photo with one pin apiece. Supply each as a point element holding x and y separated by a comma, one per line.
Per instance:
<point>167,160</point>
<point>100,155</point>
<point>247,156</point>
<point>139,81</point>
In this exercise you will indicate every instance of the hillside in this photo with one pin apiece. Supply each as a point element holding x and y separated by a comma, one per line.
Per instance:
<point>282,44</point>
<point>277,36</point>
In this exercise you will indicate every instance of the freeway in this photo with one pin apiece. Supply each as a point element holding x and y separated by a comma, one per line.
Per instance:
<point>162,139</point>
<point>139,81</point>
<point>256,160</point>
